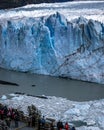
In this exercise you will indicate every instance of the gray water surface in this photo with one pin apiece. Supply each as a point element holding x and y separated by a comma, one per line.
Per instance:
<point>50,86</point>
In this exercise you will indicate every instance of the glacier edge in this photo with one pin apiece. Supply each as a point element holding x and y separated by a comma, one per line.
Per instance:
<point>54,46</point>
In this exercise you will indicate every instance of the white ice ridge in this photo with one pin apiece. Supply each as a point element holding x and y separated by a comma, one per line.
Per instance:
<point>71,10</point>
<point>52,44</point>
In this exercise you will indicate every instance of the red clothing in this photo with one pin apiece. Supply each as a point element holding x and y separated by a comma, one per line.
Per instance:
<point>67,126</point>
<point>2,112</point>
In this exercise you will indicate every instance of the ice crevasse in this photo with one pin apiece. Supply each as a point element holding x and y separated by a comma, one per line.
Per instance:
<point>52,45</point>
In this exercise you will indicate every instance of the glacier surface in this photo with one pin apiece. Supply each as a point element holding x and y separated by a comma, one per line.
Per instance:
<point>39,39</point>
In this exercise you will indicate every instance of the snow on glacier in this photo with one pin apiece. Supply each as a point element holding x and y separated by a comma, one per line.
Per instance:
<point>71,10</point>
<point>64,40</point>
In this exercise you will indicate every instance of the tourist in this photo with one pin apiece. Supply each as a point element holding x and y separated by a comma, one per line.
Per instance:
<point>11,113</point>
<point>2,114</point>
<point>29,121</point>
<point>8,121</point>
<point>33,120</point>
<point>43,122</point>
<point>5,111</point>
<point>52,125</point>
<point>59,125</point>
<point>39,123</point>
<point>16,119</point>
<point>67,126</point>
<point>2,125</point>
<point>73,128</point>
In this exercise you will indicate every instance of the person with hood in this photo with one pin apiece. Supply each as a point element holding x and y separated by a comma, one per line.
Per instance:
<point>67,127</point>
<point>73,128</point>
<point>59,125</point>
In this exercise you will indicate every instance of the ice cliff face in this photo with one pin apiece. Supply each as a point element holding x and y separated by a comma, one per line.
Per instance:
<point>54,46</point>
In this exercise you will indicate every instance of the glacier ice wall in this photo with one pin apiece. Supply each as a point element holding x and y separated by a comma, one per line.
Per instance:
<point>54,46</point>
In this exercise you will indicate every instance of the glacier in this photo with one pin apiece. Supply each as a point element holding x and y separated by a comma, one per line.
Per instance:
<point>53,44</point>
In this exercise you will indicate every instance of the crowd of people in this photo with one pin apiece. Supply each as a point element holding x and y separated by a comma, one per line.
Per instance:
<point>42,123</point>
<point>66,126</point>
<point>33,119</point>
<point>6,116</point>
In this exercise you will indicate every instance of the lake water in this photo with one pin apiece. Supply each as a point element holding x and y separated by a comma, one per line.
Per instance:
<point>50,86</point>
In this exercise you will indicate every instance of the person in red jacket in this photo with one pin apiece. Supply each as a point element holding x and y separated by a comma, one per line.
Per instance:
<point>2,114</point>
<point>67,127</point>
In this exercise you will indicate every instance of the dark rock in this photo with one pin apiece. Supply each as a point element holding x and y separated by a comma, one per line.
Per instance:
<point>33,85</point>
<point>8,83</point>
<point>20,93</point>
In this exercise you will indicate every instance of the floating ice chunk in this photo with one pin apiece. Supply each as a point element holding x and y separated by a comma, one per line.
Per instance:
<point>18,98</point>
<point>4,97</point>
<point>90,122</point>
<point>12,94</point>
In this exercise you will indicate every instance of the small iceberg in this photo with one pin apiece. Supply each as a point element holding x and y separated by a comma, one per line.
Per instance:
<point>4,97</point>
